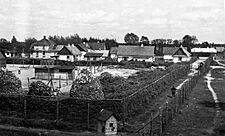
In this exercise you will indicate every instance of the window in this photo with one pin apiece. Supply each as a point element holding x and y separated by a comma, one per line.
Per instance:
<point>43,53</point>
<point>68,57</point>
<point>180,58</point>
<point>110,124</point>
<point>36,54</point>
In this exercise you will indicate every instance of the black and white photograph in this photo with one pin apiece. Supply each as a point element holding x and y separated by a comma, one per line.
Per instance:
<point>112,68</point>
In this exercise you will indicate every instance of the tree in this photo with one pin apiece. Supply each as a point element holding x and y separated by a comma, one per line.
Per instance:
<point>176,42</point>
<point>39,89</point>
<point>144,40</point>
<point>169,41</point>
<point>131,38</point>
<point>14,40</point>
<point>28,43</point>
<point>9,82</point>
<point>3,40</point>
<point>205,44</point>
<point>86,86</point>
<point>187,39</point>
<point>158,41</point>
<point>109,43</point>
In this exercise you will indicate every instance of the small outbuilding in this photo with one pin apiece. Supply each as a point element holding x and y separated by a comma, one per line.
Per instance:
<point>107,123</point>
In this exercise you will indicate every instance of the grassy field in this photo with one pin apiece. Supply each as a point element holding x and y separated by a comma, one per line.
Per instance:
<point>200,116</point>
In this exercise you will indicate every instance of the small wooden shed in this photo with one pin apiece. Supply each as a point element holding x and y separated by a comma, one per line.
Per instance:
<point>107,123</point>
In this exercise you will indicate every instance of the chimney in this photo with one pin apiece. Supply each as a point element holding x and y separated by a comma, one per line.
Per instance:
<point>44,37</point>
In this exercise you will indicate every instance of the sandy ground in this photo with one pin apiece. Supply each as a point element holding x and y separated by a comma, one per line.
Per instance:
<point>118,72</point>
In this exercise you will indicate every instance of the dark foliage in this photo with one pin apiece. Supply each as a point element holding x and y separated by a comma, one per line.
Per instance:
<point>86,86</point>
<point>9,83</point>
<point>40,89</point>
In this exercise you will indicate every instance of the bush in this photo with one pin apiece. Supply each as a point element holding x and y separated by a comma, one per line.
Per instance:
<point>9,83</point>
<point>86,86</point>
<point>39,88</point>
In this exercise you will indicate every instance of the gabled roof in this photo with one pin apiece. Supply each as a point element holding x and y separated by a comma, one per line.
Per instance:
<point>182,51</point>
<point>96,46</point>
<point>2,55</point>
<point>114,50</point>
<point>169,50</point>
<point>93,54</point>
<point>82,47</point>
<point>104,115</point>
<point>137,51</point>
<point>203,50</point>
<point>105,53</point>
<point>42,42</point>
<point>71,49</point>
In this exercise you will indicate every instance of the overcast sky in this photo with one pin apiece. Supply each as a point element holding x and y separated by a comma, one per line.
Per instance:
<point>113,18</point>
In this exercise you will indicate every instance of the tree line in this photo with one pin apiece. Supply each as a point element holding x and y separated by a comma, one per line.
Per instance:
<point>131,38</point>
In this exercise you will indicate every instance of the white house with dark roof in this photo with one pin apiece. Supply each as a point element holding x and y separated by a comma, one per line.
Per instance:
<point>40,49</point>
<point>136,53</point>
<point>176,54</point>
<point>181,55</point>
<point>69,53</point>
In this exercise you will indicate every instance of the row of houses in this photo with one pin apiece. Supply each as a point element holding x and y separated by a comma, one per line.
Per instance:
<point>47,49</point>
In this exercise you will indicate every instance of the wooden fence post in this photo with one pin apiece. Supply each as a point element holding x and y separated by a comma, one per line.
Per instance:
<point>151,125</point>
<point>57,109</point>
<point>25,108</point>
<point>176,102</point>
<point>143,129</point>
<point>160,121</point>
<point>124,113</point>
<point>88,115</point>
<point>167,113</point>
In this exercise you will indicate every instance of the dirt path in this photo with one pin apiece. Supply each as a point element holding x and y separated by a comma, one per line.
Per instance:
<point>203,114</point>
